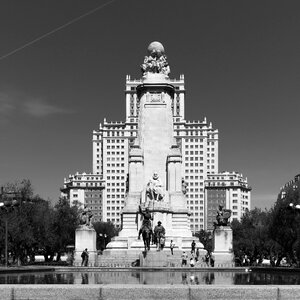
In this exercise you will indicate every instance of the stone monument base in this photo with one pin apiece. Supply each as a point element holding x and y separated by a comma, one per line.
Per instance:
<point>222,254</point>
<point>85,238</point>
<point>223,260</point>
<point>153,259</point>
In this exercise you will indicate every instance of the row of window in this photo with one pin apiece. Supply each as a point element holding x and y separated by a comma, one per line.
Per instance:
<point>115,165</point>
<point>196,190</point>
<point>194,146</point>
<point>196,202</point>
<point>115,184</point>
<point>196,165</point>
<point>115,153</point>
<point>116,177</point>
<point>115,202</point>
<point>114,159</point>
<point>195,170</point>
<point>118,190</point>
<point>114,146</point>
<point>115,171</point>
<point>115,196</point>
<point>195,196</point>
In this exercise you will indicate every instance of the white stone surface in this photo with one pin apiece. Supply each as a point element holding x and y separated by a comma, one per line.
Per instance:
<point>85,238</point>
<point>223,253</point>
<point>223,239</point>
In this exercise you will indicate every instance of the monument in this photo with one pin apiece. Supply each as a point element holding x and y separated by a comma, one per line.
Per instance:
<point>85,238</point>
<point>222,234</point>
<point>155,182</point>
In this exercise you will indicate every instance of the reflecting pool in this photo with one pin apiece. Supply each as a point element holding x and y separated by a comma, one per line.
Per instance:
<point>196,277</point>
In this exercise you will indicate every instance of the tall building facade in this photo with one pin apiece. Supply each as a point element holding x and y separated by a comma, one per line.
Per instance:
<point>229,189</point>
<point>291,185</point>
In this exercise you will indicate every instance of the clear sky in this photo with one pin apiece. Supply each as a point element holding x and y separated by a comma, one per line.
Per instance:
<point>241,61</point>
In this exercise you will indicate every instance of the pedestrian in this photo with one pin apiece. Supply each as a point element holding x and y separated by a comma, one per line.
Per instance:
<point>172,245</point>
<point>197,254</point>
<point>192,262</point>
<point>85,257</point>
<point>193,246</point>
<point>184,258</point>
<point>207,259</point>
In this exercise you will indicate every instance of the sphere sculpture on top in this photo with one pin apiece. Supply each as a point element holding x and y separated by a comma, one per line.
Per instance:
<point>156,61</point>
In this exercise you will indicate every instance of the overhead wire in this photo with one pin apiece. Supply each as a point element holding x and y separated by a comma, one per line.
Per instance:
<point>56,29</point>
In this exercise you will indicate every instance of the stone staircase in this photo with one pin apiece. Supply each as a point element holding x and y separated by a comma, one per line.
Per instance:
<point>152,258</point>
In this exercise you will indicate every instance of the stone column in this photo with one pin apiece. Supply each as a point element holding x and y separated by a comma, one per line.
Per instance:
<point>174,170</point>
<point>223,252</point>
<point>85,238</point>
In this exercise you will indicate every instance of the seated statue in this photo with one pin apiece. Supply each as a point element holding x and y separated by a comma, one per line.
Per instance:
<point>154,188</point>
<point>86,217</point>
<point>222,216</point>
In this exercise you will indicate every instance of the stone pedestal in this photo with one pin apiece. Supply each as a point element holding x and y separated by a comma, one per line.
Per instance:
<point>153,259</point>
<point>223,253</point>
<point>85,237</point>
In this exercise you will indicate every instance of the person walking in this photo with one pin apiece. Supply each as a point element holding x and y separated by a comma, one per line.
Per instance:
<point>197,255</point>
<point>85,258</point>
<point>184,258</point>
<point>86,261</point>
<point>192,262</point>
<point>193,247</point>
<point>172,246</point>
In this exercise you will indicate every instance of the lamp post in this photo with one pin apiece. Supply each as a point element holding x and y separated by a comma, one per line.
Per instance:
<point>7,206</point>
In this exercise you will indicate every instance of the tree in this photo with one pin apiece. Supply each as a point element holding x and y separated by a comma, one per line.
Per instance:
<point>251,237</point>
<point>105,232</point>
<point>34,226</point>
<point>285,226</point>
<point>18,215</point>
<point>65,222</point>
<point>206,238</point>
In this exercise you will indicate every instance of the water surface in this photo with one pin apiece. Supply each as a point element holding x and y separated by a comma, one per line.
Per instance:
<point>154,277</point>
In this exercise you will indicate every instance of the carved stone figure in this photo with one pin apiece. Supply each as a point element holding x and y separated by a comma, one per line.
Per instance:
<point>86,217</point>
<point>222,216</point>
<point>184,186</point>
<point>156,61</point>
<point>155,188</point>
<point>159,236</point>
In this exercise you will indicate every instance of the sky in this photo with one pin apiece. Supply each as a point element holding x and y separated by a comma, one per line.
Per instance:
<point>241,61</point>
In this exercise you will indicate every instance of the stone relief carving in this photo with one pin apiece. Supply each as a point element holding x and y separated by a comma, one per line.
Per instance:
<point>86,217</point>
<point>222,217</point>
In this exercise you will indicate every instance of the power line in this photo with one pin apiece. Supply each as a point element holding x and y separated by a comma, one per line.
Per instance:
<point>56,30</point>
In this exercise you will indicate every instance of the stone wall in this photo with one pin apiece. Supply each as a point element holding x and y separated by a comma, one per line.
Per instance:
<point>132,292</point>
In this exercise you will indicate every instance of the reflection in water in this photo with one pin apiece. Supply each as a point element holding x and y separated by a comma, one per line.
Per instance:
<point>85,278</point>
<point>154,277</point>
<point>184,278</point>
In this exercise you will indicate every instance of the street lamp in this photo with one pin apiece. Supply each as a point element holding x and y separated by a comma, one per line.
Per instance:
<point>296,207</point>
<point>103,236</point>
<point>9,201</point>
<point>7,206</point>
